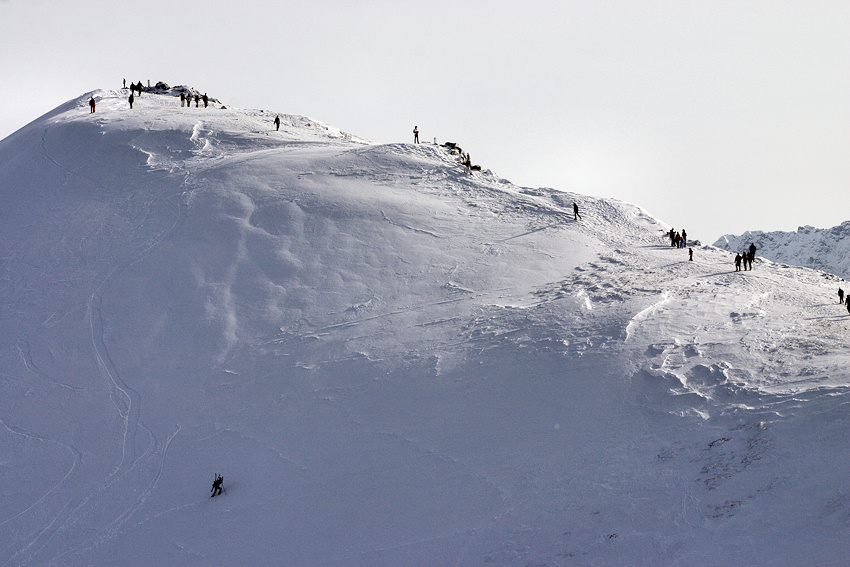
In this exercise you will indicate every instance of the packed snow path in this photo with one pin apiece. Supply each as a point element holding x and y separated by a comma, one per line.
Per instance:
<point>390,360</point>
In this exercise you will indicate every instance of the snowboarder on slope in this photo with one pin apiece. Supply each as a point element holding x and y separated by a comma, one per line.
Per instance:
<point>277,122</point>
<point>91,104</point>
<point>217,485</point>
<point>416,134</point>
<point>840,295</point>
<point>576,216</point>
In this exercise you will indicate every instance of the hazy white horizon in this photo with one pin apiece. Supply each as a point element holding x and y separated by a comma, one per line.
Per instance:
<point>720,117</point>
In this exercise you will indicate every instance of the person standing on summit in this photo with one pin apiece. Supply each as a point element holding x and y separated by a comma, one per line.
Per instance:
<point>416,134</point>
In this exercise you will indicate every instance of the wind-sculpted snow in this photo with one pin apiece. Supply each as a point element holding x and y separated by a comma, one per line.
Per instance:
<point>391,361</point>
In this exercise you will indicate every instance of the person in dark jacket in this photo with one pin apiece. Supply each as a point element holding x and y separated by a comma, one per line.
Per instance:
<point>840,295</point>
<point>197,100</point>
<point>206,100</point>
<point>738,262</point>
<point>216,487</point>
<point>576,216</point>
<point>91,104</point>
<point>416,134</point>
<point>182,99</point>
<point>131,99</point>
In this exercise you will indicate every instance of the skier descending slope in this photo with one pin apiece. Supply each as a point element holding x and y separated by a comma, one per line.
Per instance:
<point>216,486</point>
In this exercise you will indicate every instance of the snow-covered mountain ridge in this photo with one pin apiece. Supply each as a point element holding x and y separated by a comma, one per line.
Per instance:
<point>826,249</point>
<point>391,360</point>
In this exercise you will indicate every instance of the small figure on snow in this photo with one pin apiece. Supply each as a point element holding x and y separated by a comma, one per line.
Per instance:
<point>684,238</point>
<point>277,122</point>
<point>840,295</point>
<point>197,100</point>
<point>416,134</point>
<point>576,216</point>
<point>690,254</point>
<point>131,99</point>
<point>738,262</point>
<point>206,100</point>
<point>91,104</point>
<point>182,99</point>
<point>216,487</point>
<point>125,83</point>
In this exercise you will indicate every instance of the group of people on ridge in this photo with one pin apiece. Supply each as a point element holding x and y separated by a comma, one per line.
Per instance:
<point>187,98</point>
<point>678,240</point>
<point>746,257</point>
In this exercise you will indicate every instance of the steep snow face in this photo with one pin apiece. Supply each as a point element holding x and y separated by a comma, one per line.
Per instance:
<point>826,249</point>
<point>390,360</point>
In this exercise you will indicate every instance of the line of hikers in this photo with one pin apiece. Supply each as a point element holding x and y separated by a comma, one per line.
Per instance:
<point>746,258</point>
<point>844,300</point>
<point>187,98</point>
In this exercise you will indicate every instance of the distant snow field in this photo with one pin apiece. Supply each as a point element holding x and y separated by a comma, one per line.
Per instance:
<point>391,361</point>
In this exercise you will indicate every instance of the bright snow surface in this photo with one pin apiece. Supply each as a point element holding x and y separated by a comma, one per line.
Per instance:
<point>390,360</point>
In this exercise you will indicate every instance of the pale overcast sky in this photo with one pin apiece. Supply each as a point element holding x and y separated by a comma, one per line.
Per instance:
<point>718,117</point>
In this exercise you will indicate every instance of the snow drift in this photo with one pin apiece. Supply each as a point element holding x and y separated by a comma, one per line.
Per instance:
<point>390,360</point>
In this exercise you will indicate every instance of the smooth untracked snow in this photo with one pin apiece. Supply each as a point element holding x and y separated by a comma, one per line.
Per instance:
<point>391,361</point>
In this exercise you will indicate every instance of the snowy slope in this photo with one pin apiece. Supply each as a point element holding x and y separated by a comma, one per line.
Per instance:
<point>826,249</point>
<point>390,360</point>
